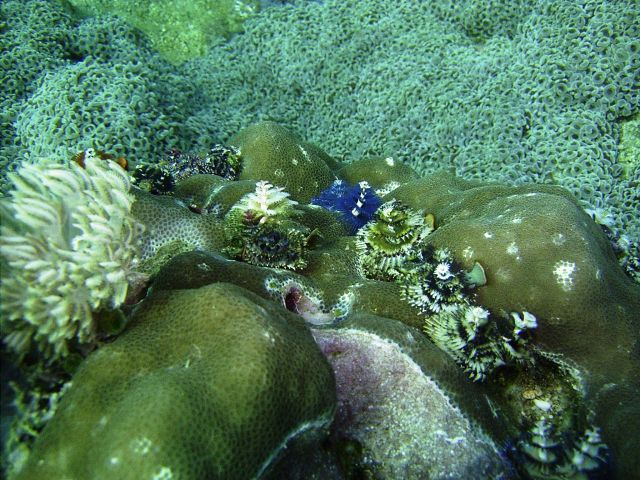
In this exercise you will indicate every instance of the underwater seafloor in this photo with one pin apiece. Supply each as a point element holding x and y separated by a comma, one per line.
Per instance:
<point>320,239</point>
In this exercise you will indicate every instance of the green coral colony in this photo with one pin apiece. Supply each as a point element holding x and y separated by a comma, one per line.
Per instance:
<point>513,284</point>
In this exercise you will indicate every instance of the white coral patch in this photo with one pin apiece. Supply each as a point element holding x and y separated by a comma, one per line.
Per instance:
<point>468,253</point>
<point>512,249</point>
<point>141,445</point>
<point>564,272</point>
<point>304,153</point>
<point>543,405</point>
<point>558,239</point>
<point>164,473</point>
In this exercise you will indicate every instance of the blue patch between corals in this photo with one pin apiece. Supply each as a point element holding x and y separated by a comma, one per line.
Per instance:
<point>355,204</point>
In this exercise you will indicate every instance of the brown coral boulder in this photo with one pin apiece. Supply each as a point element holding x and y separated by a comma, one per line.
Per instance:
<point>206,383</point>
<point>543,254</point>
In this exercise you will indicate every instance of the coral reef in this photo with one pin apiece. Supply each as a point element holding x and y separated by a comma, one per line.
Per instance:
<point>502,307</point>
<point>69,84</point>
<point>497,90</point>
<point>36,37</point>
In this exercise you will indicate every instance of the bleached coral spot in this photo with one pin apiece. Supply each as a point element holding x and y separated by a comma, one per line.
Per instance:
<point>269,337</point>
<point>558,239</point>
<point>564,272</point>
<point>304,153</point>
<point>543,405</point>
<point>512,249</point>
<point>390,161</point>
<point>203,267</point>
<point>488,235</point>
<point>164,473</point>
<point>141,445</point>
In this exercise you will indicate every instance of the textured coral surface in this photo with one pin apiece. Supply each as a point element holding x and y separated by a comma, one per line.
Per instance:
<point>216,404</point>
<point>178,29</point>
<point>511,91</point>
<point>454,248</point>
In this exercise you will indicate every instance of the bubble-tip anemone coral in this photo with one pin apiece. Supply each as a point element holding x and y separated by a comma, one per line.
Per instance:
<point>68,242</point>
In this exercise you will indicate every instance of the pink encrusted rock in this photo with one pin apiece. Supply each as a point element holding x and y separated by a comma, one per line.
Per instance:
<point>408,427</point>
